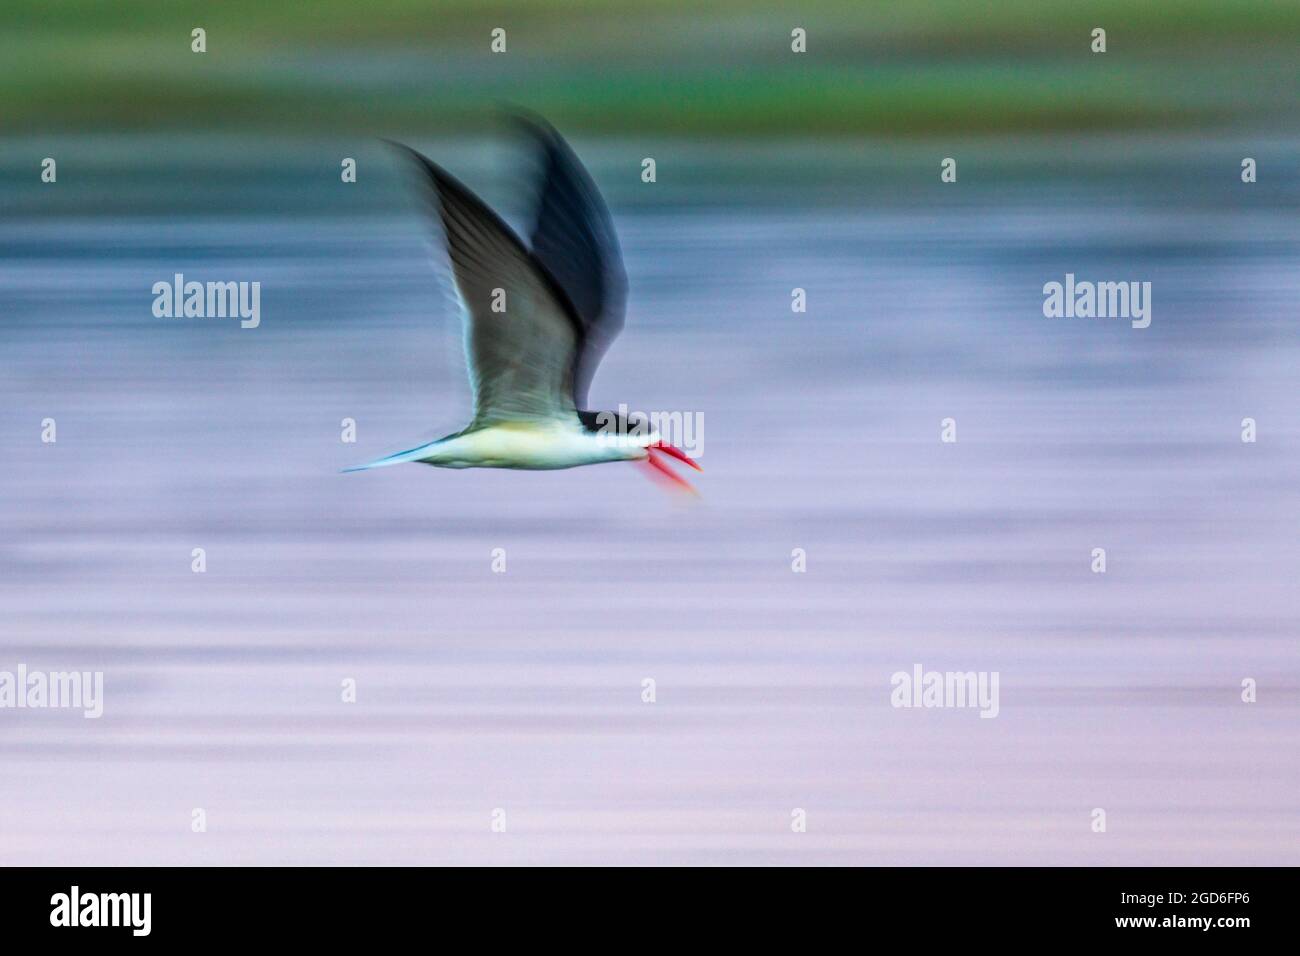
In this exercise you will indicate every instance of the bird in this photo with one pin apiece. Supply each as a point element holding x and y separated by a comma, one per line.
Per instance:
<point>538,318</point>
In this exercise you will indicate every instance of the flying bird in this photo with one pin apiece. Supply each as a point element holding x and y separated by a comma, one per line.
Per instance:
<point>538,319</point>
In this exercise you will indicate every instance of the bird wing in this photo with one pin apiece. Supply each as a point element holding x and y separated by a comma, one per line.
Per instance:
<point>574,239</point>
<point>521,356</point>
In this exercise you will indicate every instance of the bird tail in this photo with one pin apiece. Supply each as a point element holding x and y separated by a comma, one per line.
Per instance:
<point>414,454</point>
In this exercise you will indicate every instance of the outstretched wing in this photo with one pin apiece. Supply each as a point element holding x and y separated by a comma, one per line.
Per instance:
<point>521,334</point>
<point>574,240</point>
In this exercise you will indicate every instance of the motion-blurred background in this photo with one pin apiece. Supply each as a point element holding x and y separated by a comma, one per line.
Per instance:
<point>935,67</point>
<point>523,690</point>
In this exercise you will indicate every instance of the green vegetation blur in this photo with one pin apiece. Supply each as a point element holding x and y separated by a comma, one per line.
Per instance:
<point>722,67</point>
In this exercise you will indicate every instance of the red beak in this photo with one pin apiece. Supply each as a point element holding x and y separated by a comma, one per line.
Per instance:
<point>677,453</point>
<point>660,471</point>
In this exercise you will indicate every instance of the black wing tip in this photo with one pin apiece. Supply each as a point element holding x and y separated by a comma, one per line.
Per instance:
<point>425,164</point>
<point>402,148</point>
<point>537,128</point>
<point>453,200</point>
<point>552,147</point>
<point>445,186</point>
<point>530,122</point>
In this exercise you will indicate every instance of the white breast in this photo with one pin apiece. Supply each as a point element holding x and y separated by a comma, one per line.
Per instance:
<point>534,446</point>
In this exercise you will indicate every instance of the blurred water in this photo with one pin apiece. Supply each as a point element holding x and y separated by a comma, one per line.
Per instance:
<point>523,690</point>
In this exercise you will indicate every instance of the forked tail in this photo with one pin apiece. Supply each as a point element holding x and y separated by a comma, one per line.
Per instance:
<point>413,454</point>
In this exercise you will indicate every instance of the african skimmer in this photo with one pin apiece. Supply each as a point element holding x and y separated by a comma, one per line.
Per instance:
<point>538,319</point>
